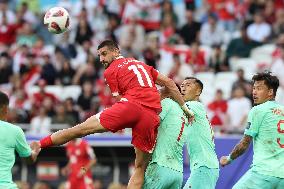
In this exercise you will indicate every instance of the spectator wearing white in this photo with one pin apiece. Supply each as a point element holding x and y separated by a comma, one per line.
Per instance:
<point>238,108</point>
<point>132,36</point>
<point>277,68</point>
<point>28,15</point>
<point>11,17</point>
<point>211,32</point>
<point>40,124</point>
<point>259,30</point>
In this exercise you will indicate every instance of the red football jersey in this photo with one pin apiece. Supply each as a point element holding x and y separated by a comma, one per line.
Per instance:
<point>133,80</point>
<point>79,153</point>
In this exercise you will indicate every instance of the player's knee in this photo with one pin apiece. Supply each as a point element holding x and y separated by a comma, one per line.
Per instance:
<point>90,126</point>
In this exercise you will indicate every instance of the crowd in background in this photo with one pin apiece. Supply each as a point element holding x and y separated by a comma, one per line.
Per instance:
<point>147,30</point>
<point>172,36</point>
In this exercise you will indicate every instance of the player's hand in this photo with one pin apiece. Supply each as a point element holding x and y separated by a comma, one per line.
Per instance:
<point>35,146</point>
<point>224,161</point>
<point>187,111</point>
<point>82,172</point>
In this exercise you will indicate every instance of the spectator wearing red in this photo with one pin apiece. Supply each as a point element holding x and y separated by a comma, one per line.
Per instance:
<point>39,97</point>
<point>217,109</point>
<point>196,58</point>
<point>8,32</point>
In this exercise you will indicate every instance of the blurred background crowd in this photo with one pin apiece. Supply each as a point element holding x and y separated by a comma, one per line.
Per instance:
<point>57,79</point>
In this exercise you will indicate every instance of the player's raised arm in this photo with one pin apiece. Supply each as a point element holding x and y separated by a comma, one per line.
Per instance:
<point>173,90</point>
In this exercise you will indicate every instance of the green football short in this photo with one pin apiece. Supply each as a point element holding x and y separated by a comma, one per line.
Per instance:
<point>202,178</point>
<point>252,180</point>
<point>159,177</point>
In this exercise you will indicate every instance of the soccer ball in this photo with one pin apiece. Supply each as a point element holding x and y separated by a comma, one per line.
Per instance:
<point>57,20</point>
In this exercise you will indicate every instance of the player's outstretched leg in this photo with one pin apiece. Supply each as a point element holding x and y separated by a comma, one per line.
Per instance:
<point>141,161</point>
<point>90,126</point>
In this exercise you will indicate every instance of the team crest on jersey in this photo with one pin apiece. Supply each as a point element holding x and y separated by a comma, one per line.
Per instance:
<point>248,125</point>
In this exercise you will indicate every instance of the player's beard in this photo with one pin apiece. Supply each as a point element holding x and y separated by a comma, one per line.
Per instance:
<point>106,64</point>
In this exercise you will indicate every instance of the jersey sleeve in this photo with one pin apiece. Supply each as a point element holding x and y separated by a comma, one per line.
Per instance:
<point>166,106</point>
<point>153,72</point>
<point>22,147</point>
<point>254,121</point>
<point>110,78</point>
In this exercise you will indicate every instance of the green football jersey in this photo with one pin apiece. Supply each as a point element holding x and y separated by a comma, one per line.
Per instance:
<point>12,139</point>
<point>266,126</point>
<point>200,141</point>
<point>171,136</point>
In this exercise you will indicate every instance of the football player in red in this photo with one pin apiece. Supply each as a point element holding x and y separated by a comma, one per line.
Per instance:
<point>132,82</point>
<point>81,159</point>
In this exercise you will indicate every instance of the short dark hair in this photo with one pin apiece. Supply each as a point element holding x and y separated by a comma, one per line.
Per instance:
<point>110,44</point>
<point>271,81</point>
<point>199,83</point>
<point>4,99</point>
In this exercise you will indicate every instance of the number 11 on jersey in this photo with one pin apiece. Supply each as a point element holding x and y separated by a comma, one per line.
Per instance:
<point>139,75</point>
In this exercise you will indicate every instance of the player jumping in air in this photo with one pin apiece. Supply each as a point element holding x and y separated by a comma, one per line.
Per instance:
<point>200,142</point>
<point>165,170</point>
<point>266,128</point>
<point>12,138</point>
<point>133,82</point>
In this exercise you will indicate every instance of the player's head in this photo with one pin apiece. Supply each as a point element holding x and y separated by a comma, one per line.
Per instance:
<point>265,87</point>
<point>191,88</point>
<point>4,104</point>
<point>108,50</point>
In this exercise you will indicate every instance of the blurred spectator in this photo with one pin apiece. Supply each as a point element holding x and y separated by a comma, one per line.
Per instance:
<point>40,124</point>
<point>259,30</point>
<point>4,10</point>
<point>269,12</point>
<point>48,71</point>
<point>191,27</point>
<point>278,25</point>
<point>104,94</point>
<point>83,31</point>
<point>83,52</point>
<point>78,170</point>
<point>112,28</point>
<point>21,103</point>
<point>167,29</point>
<point>241,47</point>
<point>62,117</point>
<point>85,73</point>
<point>277,68</point>
<point>27,15</point>
<point>95,108</point>
<point>8,31</point>
<point>20,58</point>
<point>132,36</point>
<point>217,60</point>
<point>226,11</point>
<point>238,108</point>
<point>217,109</point>
<point>88,5</point>
<point>180,70</point>
<point>66,74</point>
<point>196,58</point>
<point>39,97</point>
<point>5,68</point>
<point>243,83</point>
<point>71,110</point>
<point>211,32</point>
<point>26,35</point>
<point>167,9</point>
<point>65,45</point>
<point>86,96</point>
<point>151,53</point>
